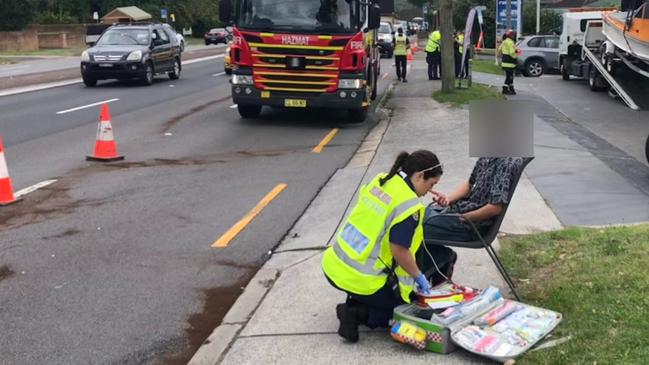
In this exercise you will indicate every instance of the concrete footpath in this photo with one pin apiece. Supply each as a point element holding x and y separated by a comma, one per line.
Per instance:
<point>287,312</point>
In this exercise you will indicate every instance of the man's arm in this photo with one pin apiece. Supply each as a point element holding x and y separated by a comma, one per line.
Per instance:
<point>461,191</point>
<point>405,260</point>
<point>486,212</point>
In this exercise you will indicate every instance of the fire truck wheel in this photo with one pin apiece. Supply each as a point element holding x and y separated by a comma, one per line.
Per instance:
<point>249,111</point>
<point>358,115</point>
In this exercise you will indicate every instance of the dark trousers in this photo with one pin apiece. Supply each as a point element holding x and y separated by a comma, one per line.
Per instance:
<point>509,76</point>
<point>402,65</point>
<point>434,61</point>
<point>459,71</point>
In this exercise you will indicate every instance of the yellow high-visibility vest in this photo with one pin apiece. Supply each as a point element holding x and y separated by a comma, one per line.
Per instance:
<point>400,45</point>
<point>433,41</point>
<point>508,54</point>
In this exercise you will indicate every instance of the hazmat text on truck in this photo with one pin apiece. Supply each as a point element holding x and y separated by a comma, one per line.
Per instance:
<point>303,54</point>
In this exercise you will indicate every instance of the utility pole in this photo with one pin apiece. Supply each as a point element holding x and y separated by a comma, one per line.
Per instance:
<point>448,58</point>
<point>538,16</point>
<point>508,14</point>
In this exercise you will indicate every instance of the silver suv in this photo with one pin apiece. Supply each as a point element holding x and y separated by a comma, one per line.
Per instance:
<point>539,54</point>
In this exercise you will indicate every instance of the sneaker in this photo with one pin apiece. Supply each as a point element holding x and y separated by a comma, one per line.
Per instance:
<point>404,80</point>
<point>348,322</point>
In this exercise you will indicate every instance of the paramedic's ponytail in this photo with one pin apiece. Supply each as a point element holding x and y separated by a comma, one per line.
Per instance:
<point>395,167</point>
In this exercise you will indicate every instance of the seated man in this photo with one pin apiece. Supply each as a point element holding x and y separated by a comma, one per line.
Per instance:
<point>479,199</point>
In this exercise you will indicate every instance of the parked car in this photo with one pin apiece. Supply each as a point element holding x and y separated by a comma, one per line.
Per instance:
<point>216,36</point>
<point>227,61</point>
<point>132,52</point>
<point>539,54</point>
<point>179,37</point>
<point>384,38</point>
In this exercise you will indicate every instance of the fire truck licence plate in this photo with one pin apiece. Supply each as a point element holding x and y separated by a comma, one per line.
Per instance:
<point>295,103</point>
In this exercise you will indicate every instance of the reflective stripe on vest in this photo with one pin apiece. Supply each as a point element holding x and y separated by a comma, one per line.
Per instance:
<point>460,42</point>
<point>369,267</point>
<point>400,45</point>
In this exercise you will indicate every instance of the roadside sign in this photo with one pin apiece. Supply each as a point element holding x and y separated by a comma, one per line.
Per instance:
<point>501,18</point>
<point>163,13</point>
<point>95,16</point>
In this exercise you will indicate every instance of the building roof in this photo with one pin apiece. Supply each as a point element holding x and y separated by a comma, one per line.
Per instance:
<point>132,12</point>
<point>565,4</point>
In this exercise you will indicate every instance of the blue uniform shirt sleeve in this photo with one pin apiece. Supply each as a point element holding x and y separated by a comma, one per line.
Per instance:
<point>401,233</point>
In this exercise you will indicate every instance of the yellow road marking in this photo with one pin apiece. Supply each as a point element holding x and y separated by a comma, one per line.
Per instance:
<point>325,140</point>
<point>228,236</point>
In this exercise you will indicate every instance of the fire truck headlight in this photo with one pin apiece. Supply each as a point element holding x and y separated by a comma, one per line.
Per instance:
<point>242,79</point>
<point>350,83</point>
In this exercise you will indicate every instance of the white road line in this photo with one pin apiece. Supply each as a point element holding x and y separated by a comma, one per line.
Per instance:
<point>33,188</point>
<point>219,74</point>
<point>202,59</point>
<point>28,89</point>
<point>234,106</point>
<point>86,106</point>
<point>49,85</point>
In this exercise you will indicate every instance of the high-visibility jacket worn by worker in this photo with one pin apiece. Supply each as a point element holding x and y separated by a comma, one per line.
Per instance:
<point>400,48</point>
<point>460,43</point>
<point>433,41</point>
<point>508,54</point>
<point>357,261</point>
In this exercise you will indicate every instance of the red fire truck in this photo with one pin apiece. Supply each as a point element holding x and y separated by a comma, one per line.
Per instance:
<point>303,54</point>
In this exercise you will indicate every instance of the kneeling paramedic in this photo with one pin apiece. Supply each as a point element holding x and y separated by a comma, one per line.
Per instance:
<point>373,258</point>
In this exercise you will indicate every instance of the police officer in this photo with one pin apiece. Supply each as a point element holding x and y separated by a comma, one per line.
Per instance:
<point>433,55</point>
<point>401,45</point>
<point>373,258</point>
<point>508,54</point>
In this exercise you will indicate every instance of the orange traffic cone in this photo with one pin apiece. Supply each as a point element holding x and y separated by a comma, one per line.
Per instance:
<point>413,46</point>
<point>105,146</point>
<point>6,191</point>
<point>410,57</point>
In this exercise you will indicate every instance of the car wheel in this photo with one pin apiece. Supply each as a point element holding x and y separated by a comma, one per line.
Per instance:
<point>533,68</point>
<point>646,149</point>
<point>89,81</point>
<point>358,115</point>
<point>595,81</point>
<point>147,78</point>
<point>564,72</point>
<point>249,111</point>
<point>175,74</point>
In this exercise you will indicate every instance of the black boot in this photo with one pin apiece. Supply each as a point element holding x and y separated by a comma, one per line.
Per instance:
<point>349,321</point>
<point>506,90</point>
<point>511,90</point>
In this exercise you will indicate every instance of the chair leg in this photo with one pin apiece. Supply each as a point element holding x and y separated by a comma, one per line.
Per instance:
<point>503,271</point>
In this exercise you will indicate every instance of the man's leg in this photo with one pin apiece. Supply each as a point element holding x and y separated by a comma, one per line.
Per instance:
<point>404,68</point>
<point>511,82</point>
<point>429,61</point>
<point>397,65</point>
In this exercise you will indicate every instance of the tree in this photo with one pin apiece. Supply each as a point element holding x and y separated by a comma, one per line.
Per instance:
<point>448,57</point>
<point>550,20</point>
<point>14,15</point>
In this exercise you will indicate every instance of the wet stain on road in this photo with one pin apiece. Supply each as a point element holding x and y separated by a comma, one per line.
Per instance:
<point>169,124</point>
<point>5,272</point>
<point>66,233</point>
<point>216,303</point>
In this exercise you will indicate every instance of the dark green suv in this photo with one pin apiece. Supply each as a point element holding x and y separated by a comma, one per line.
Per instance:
<point>132,51</point>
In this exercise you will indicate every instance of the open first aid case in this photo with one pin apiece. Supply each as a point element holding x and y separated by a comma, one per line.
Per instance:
<point>487,325</point>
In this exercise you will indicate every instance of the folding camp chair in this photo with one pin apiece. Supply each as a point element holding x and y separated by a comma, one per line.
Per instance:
<point>485,241</point>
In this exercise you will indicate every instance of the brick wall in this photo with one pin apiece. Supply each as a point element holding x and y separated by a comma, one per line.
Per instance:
<point>26,40</point>
<point>43,37</point>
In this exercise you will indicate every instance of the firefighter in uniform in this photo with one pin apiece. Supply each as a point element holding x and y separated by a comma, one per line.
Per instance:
<point>508,54</point>
<point>433,55</point>
<point>373,258</point>
<point>401,45</point>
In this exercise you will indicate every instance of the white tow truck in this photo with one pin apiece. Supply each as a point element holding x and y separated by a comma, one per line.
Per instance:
<point>586,51</point>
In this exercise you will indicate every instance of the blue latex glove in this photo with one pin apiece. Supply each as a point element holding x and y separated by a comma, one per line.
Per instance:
<point>422,284</point>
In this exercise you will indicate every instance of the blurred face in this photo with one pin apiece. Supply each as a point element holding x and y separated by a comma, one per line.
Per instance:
<point>421,184</point>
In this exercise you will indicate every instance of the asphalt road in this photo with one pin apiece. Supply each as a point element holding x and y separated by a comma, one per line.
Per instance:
<point>113,263</point>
